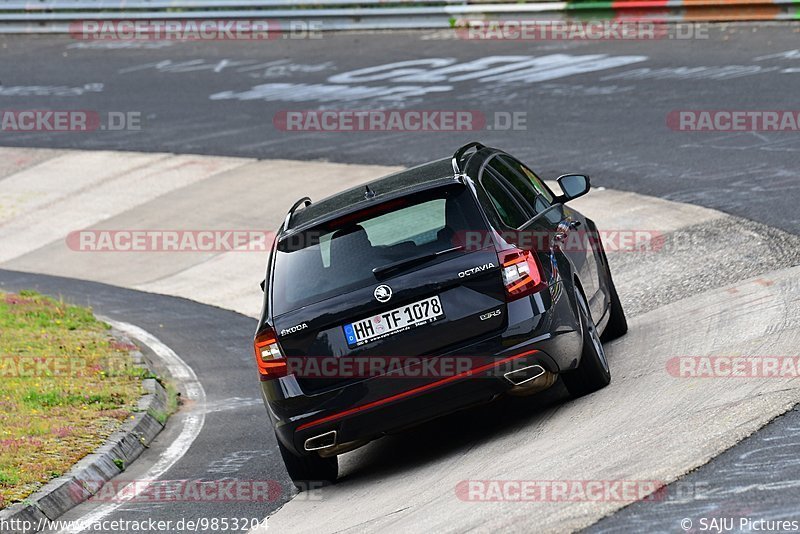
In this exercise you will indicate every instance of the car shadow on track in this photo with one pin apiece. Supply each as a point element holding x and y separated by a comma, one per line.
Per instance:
<point>437,439</point>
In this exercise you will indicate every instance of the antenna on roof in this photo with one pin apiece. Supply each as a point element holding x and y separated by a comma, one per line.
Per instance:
<point>369,194</point>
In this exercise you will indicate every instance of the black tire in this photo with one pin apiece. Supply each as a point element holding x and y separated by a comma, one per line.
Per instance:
<point>592,372</point>
<point>617,325</point>
<point>309,471</point>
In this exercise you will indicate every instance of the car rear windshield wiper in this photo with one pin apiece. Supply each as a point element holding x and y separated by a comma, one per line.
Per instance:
<point>385,271</point>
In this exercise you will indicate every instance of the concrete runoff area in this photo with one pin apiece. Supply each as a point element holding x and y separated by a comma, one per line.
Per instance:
<point>647,425</point>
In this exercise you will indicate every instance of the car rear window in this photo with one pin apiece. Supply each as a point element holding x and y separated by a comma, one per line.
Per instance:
<point>339,256</point>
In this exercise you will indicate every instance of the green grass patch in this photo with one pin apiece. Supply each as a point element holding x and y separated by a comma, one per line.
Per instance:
<point>65,385</point>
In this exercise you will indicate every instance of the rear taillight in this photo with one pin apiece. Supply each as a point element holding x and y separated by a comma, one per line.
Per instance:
<point>521,273</point>
<point>270,361</point>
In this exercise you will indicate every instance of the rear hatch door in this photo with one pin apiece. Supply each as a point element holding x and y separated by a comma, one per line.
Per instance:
<point>407,279</point>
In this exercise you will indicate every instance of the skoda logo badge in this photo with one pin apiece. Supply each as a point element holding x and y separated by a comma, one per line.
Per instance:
<point>383,293</point>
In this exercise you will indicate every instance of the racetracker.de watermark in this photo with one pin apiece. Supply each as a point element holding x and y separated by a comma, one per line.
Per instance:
<point>166,491</point>
<point>28,366</point>
<point>399,367</point>
<point>734,366</point>
<point>170,240</point>
<point>731,120</point>
<point>559,490</point>
<point>575,240</point>
<point>194,30</point>
<point>577,30</point>
<point>403,120</point>
<point>71,120</point>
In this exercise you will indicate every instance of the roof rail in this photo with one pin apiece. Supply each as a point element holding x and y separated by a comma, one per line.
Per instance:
<point>460,153</point>
<point>304,200</point>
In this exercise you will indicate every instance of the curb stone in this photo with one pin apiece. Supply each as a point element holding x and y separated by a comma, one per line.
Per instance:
<point>86,477</point>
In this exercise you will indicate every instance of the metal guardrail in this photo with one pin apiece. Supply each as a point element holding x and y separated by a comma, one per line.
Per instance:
<point>55,16</point>
<point>127,5</point>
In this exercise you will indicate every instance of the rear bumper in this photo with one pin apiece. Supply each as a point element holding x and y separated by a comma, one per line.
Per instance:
<point>367,409</point>
<point>412,406</point>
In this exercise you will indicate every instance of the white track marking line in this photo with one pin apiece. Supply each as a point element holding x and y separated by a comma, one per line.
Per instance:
<point>192,423</point>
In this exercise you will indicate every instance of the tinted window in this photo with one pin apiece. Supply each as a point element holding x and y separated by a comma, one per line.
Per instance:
<point>502,202</point>
<point>339,256</point>
<point>527,184</point>
<point>418,224</point>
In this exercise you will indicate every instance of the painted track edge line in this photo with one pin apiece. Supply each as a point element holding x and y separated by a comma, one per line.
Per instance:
<point>192,423</point>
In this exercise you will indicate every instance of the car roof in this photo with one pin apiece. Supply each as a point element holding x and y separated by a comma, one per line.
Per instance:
<point>352,199</point>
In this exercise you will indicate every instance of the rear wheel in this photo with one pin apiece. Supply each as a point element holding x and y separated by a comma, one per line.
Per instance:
<point>313,469</point>
<point>617,323</point>
<point>592,372</point>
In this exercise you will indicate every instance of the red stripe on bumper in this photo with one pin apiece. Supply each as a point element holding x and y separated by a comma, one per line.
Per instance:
<point>414,391</point>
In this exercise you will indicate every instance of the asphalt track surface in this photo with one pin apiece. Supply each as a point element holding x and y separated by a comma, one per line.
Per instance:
<point>752,316</point>
<point>221,97</point>
<point>606,123</point>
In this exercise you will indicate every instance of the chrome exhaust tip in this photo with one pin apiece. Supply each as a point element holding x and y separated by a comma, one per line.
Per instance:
<point>519,377</point>
<point>323,441</point>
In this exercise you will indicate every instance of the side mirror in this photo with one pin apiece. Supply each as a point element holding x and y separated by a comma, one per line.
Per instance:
<point>263,284</point>
<point>573,186</point>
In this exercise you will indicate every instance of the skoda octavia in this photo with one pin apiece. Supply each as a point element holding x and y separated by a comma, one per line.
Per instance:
<point>425,292</point>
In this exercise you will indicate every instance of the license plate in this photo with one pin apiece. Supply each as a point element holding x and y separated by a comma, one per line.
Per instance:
<point>393,321</point>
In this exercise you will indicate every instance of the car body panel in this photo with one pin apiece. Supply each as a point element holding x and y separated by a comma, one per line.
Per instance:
<point>480,323</point>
